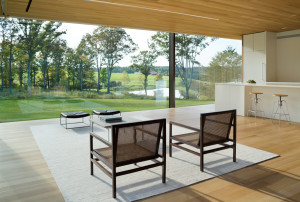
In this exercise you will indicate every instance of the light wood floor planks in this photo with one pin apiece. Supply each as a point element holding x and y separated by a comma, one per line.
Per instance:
<point>24,175</point>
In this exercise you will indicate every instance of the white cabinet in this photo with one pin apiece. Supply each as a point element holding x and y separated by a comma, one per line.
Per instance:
<point>258,57</point>
<point>259,41</point>
<point>254,42</point>
<point>254,66</point>
<point>248,43</point>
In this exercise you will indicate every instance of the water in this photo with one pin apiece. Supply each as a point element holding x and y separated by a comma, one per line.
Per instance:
<point>160,93</point>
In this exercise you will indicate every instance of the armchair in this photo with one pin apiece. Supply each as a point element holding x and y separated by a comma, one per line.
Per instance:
<point>214,130</point>
<point>131,143</point>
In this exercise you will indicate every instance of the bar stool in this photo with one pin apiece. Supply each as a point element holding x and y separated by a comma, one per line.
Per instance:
<point>281,108</point>
<point>255,102</point>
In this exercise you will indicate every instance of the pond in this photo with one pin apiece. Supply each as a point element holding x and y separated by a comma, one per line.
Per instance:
<point>160,93</point>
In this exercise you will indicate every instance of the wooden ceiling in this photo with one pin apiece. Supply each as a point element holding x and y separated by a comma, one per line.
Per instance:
<point>220,18</point>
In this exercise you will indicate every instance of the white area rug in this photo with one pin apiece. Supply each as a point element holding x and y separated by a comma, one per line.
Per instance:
<point>67,155</point>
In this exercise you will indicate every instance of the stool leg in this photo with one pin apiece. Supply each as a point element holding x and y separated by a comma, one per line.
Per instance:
<point>284,114</point>
<point>274,113</point>
<point>280,108</point>
<point>261,107</point>
<point>287,115</point>
<point>250,107</point>
<point>255,105</point>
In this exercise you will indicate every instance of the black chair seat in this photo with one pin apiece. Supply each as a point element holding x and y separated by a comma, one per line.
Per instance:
<point>126,153</point>
<point>106,112</point>
<point>79,114</point>
<point>194,139</point>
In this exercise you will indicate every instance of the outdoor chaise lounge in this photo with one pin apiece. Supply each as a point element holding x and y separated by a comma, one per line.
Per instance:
<point>131,143</point>
<point>74,115</point>
<point>214,130</point>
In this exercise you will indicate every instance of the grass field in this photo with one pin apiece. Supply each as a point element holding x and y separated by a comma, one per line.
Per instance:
<point>45,105</point>
<point>41,108</point>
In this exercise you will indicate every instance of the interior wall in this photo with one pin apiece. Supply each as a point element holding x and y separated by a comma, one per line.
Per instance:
<point>288,56</point>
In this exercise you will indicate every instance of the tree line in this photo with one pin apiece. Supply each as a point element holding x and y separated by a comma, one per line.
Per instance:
<point>33,53</point>
<point>32,46</point>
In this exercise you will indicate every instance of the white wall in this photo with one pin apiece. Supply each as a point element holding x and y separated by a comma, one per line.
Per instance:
<point>288,56</point>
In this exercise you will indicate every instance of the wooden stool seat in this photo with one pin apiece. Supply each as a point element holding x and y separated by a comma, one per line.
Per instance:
<point>255,93</point>
<point>280,95</point>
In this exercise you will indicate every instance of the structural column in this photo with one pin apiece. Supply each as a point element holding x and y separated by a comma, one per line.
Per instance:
<point>171,70</point>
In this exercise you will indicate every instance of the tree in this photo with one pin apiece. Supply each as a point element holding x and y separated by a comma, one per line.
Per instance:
<point>49,36</point>
<point>58,52</point>
<point>81,55</point>
<point>30,40</point>
<point>94,44</point>
<point>71,63</point>
<point>4,25</point>
<point>103,76</point>
<point>85,61</point>
<point>21,61</point>
<point>115,43</point>
<point>8,50</point>
<point>143,62</point>
<point>158,77</point>
<point>141,78</point>
<point>125,77</point>
<point>187,48</point>
<point>225,66</point>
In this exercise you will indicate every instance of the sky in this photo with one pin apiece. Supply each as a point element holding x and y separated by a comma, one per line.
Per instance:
<point>74,33</point>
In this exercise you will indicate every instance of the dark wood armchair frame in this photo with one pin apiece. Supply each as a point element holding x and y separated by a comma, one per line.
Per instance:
<point>96,157</point>
<point>201,145</point>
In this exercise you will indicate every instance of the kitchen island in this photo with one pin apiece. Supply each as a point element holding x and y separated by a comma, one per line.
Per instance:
<point>236,96</point>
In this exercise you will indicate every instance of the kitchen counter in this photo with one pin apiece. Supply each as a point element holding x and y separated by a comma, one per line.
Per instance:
<point>268,84</point>
<point>236,96</point>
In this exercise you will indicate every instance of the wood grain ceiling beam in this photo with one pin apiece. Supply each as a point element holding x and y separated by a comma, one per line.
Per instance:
<point>220,18</point>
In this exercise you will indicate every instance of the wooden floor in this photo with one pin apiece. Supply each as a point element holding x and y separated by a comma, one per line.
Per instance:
<point>24,175</point>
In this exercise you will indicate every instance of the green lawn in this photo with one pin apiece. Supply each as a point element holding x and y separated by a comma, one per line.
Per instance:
<point>34,108</point>
<point>41,108</point>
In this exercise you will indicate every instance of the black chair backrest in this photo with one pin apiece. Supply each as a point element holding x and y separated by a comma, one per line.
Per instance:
<point>216,126</point>
<point>138,140</point>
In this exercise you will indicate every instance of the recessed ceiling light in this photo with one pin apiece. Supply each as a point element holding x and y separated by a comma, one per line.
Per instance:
<point>283,27</point>
<point>153,9</point>
<point>294,15</point>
